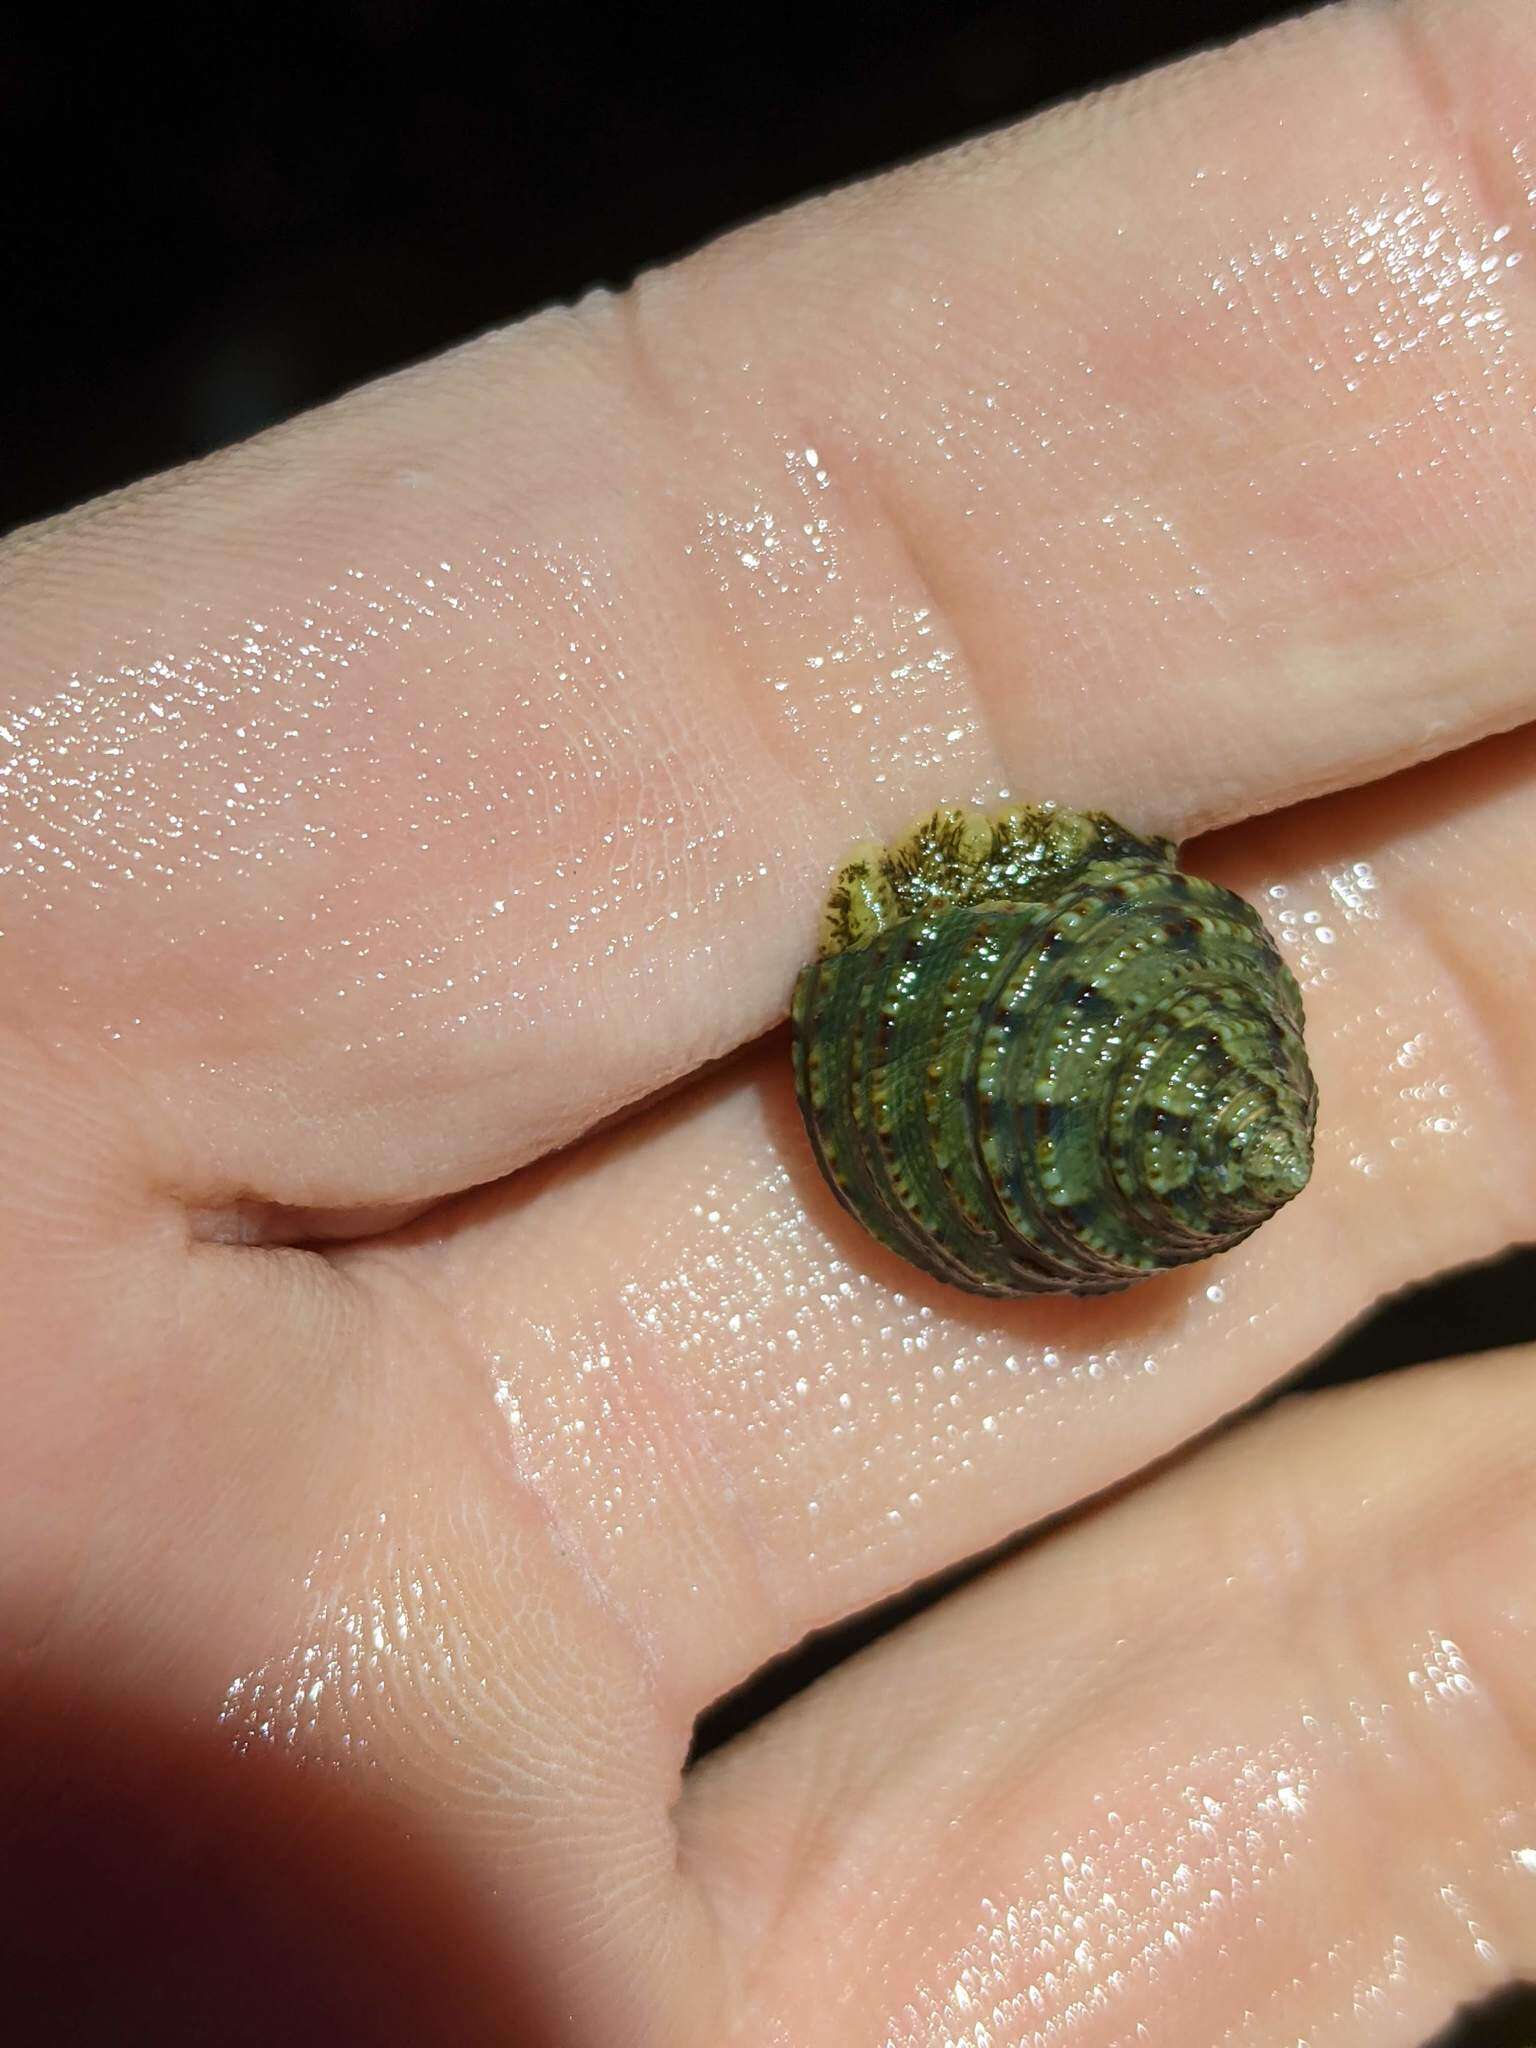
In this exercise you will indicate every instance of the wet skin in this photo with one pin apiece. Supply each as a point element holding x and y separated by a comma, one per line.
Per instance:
<point>402,1461</point>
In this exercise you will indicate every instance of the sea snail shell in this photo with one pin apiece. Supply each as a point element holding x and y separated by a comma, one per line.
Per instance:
<point>1034,1057</point>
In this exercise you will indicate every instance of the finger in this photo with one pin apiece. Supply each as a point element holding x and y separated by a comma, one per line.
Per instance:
<point>752,1421</point>
<point>395,796</point>
<point>249,1517</point>
<point>1248,1755</point>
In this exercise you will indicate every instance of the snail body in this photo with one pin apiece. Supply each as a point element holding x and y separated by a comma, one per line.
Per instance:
<point>1035,1057</point>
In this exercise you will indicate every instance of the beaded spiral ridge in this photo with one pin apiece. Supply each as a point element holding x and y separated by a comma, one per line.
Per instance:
<point>1035,1057</point>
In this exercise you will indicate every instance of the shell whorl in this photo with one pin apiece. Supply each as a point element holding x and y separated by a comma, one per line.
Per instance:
<point>1036,1057</point>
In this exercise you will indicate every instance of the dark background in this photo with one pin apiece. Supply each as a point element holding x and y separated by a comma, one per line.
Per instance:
<point>221,215</point>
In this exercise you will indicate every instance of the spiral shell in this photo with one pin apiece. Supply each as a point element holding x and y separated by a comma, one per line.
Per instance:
<point>1034,1057</point>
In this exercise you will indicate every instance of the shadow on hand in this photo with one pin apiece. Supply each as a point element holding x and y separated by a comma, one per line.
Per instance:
<point>161,1887</point>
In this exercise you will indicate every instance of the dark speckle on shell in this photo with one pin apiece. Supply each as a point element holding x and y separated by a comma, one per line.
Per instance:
<point>1035,1057</point>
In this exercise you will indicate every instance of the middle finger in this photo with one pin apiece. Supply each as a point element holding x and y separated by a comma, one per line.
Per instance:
<point>748,1420</point>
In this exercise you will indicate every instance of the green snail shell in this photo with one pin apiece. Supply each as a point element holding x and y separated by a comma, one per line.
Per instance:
<point>1035,1057</point>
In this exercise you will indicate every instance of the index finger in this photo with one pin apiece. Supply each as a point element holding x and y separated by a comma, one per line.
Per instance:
<point>398,794</point>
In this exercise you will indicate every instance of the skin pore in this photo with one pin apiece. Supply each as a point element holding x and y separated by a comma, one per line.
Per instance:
<point>434,1371</point>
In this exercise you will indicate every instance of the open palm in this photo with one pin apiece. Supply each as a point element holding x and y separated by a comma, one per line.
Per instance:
<point>402,1446</point>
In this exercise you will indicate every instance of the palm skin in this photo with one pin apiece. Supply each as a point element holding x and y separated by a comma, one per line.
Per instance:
<point>409,1436</point>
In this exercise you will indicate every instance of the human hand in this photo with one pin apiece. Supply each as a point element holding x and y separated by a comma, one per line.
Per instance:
<point>395,801</point>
